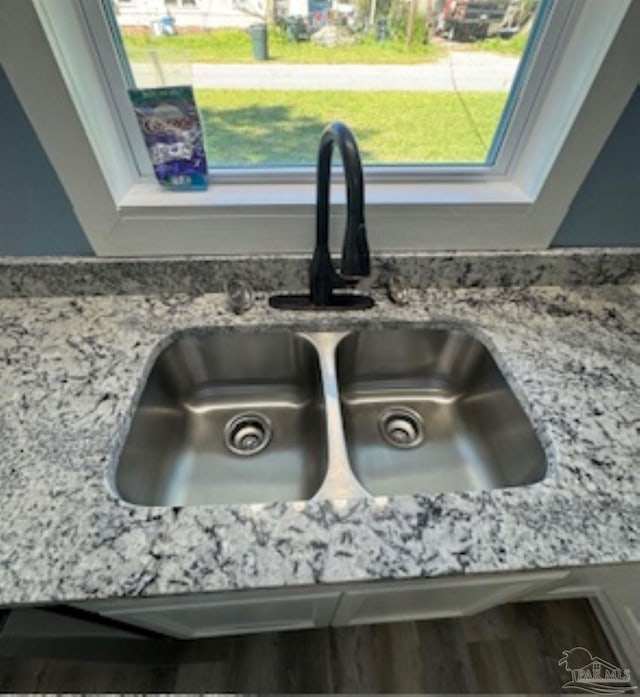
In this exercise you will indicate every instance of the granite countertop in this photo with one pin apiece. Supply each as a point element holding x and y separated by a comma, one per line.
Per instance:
<point>78,338</point>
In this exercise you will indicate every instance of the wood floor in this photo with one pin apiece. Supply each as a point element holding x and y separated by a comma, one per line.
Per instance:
<point>514,648</point>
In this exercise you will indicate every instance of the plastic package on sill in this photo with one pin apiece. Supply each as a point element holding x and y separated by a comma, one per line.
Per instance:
<point>172,130</point>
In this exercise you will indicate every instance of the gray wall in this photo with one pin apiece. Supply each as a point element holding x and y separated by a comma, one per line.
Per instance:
<point>36,216</point>
<point>35,213</point>
<point>606,210</point>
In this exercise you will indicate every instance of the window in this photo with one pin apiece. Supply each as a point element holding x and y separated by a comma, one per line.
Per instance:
<point>413,95</point>
<point>79,107</point>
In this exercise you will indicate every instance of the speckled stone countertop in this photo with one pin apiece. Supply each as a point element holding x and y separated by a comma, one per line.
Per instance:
<point>78,338</point>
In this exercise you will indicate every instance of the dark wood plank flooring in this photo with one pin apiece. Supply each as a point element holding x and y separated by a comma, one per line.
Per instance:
<point>510,649</point>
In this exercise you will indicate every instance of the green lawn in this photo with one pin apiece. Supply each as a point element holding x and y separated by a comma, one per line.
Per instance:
<point>265,127</point>
<point>234,46</point>
<point>255,127</point>
<point>513,46</point>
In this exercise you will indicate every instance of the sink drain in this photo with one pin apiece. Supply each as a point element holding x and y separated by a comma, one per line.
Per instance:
<point>401,427</point>
<point>247,433</point>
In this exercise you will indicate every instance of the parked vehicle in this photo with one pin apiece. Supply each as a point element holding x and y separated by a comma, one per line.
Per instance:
<point>460,20</point>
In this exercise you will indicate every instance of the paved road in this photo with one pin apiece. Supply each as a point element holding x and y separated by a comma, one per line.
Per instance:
<point>460,70</point>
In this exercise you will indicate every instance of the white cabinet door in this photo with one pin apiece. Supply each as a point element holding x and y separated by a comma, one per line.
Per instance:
<point>192,617</point>
<point>396,601</point>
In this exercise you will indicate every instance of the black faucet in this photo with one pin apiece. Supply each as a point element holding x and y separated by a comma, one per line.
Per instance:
<point>323,277</point>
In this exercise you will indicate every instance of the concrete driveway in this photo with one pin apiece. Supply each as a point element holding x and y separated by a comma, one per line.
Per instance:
<point>458,71</point>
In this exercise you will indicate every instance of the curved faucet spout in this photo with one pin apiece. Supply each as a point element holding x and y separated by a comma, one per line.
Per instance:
<point>355,249</point>
<point>323,277</point>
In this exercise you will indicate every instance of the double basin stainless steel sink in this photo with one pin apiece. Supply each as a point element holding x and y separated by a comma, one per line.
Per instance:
<point>239,417</point>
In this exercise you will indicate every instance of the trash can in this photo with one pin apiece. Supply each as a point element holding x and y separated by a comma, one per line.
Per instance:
<point>259,41</point>
<point>382,29</point>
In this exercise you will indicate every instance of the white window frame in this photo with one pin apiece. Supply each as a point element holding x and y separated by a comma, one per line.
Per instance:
<point>94,145</point>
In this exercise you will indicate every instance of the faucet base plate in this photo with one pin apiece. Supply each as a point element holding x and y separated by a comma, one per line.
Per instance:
<point>344,301</point>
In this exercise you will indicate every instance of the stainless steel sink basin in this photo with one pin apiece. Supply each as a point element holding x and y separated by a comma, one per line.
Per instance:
<point>428,410</point>
<point>227,418</point>
<point>239,417</point>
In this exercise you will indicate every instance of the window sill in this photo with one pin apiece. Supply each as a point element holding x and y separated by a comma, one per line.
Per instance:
<point>270,218</point>
<point>148,196</point>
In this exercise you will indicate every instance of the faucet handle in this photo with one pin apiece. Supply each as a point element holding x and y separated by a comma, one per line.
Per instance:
<point>355,252</point>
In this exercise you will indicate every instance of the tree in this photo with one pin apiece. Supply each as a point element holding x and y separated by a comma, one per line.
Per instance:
<point>413,7</point>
